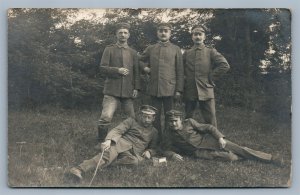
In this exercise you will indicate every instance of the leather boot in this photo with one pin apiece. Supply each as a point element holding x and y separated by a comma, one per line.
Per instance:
<point>102,130</point>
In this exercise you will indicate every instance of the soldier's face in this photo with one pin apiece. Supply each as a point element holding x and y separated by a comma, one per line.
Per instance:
<point>176,123</point>
<point>198,37</point>
<point>122,35</point>
<point>147,119</point>
<point>164,34</point>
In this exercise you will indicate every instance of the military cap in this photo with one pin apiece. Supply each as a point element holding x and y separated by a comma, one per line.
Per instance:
<point>164,26</point>
<point>174,114</point>
<point>199,28</point>
<point>123,25</point>
<point>148,109</point>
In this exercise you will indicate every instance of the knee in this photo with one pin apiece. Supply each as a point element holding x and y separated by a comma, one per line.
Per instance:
<point>106,116</point>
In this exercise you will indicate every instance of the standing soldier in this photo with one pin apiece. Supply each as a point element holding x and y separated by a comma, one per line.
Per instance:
<point>119,64</point>
<point>202,65</point>
<point>163,61</point>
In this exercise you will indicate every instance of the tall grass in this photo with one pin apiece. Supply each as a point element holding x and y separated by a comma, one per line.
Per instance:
<point>44,145</point>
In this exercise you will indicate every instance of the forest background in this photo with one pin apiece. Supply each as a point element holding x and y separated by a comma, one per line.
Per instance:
<point>54,54</point>
<point>55,93</point>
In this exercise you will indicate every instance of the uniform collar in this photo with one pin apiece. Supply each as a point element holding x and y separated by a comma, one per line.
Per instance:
<point>122,45</point>
<point>164,44</point>
<point>198,46</point>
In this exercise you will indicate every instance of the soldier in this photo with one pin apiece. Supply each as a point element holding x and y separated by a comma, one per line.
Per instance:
<point>130,142</point>
<point>119,64</point>
<point>202,65</point>
<point>163,61</point>
<point>204,141</point>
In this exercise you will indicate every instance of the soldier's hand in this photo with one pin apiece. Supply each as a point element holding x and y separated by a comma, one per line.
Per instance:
<point>147,70</point>
<point>146,154</point>
<point>177,157</point>
<point>222,143</point>
<point>123,71</point>
<point>105,145</point>
<point>135,93</point>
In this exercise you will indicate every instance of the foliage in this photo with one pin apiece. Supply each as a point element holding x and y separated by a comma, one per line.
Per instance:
<point>45,64</point>
<point>54,58</point>
<point>256,43</point>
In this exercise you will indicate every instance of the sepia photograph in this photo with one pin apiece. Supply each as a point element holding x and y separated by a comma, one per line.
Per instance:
<point>149,98</point>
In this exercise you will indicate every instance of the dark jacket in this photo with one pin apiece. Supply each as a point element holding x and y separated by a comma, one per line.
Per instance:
<point>131,135</point>
<point>193,136</point>
<point>113,58</point>
<point>201,66</point>
<point>165,62</point>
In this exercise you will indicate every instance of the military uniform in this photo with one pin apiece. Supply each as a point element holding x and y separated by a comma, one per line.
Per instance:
<point>129,140</point>
<point>166,76</point>
<point>202,64</point>
<point>118,87</point>
<point>201,140</point>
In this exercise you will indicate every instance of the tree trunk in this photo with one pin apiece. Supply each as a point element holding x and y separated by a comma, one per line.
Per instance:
<point>248,49</point>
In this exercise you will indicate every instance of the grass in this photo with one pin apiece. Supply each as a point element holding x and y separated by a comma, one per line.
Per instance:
<point>44,145</point>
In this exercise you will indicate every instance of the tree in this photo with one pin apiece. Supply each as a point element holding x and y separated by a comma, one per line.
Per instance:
<point>54,58</point>
<point>45,63</point>
<point>247,36</point>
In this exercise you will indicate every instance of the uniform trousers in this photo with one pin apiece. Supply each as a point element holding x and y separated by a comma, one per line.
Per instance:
<point>167,104</point>
<point>110,104</point>
<point>207,109</point>
<point>211,150</point>
<point>109,156</point>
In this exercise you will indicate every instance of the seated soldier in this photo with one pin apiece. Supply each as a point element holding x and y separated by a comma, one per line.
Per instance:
<point>128,143</point>
<point>189,137</point>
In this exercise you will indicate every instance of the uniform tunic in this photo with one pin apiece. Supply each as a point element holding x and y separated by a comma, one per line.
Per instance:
<point>196,138</point>
<point>130,134</point>
<point>191,137</point>
<point>129,140</point>
<point>118,56</point>
<point>165,62</point>
<point>201,65</point>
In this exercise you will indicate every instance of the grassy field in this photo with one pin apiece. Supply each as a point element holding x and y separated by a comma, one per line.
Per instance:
<point>44,145</point>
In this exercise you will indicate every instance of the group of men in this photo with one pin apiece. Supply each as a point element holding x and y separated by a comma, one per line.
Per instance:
<point>172,76</point>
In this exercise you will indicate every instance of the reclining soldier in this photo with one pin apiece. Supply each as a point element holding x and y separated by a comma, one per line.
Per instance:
<point>129,143</point>
<point>188,137</point>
